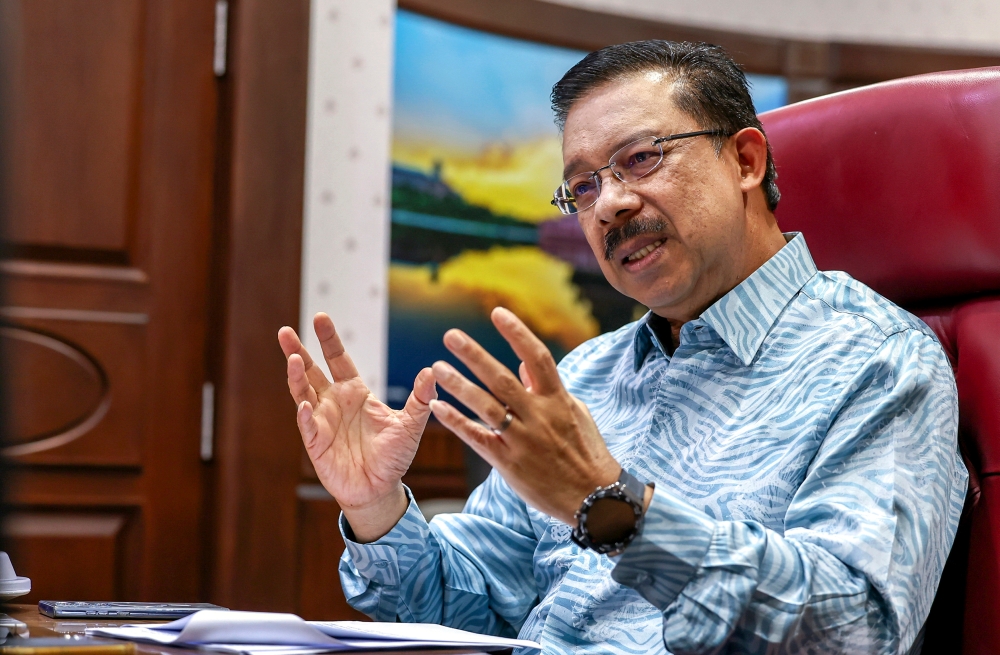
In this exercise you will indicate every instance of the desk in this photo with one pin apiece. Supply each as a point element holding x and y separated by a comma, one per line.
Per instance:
<point>40,625</point>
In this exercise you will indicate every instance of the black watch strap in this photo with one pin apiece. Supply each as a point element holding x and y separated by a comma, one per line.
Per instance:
<point>627,489</point>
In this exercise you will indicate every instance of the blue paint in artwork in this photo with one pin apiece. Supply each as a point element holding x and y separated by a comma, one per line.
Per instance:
<point>467,87</point>
<point>415,341</point>
<point>463,85</point>
<point>768,91</point>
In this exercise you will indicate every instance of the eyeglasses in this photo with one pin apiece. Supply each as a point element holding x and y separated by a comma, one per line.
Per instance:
<point>636,160</point>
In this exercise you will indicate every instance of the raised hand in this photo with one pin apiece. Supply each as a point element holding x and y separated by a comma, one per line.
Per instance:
<point>543,441</point>
<point>359,446</point>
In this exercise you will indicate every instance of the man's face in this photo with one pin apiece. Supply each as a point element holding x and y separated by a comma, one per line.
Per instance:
<point>687,216</point>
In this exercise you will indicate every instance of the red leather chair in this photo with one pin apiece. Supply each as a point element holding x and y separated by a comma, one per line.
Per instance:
<point>899,185</point>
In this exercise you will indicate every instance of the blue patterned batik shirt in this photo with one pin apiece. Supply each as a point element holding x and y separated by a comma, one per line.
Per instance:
<point>802,439</point>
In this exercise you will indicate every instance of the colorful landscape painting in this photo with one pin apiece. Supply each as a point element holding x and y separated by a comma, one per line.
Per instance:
<point>475,157</point>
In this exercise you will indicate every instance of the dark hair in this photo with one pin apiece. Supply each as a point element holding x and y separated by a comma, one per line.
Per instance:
<point>712,88</point>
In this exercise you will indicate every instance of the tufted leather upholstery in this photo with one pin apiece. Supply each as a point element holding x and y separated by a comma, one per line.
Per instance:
<point>899,185</point>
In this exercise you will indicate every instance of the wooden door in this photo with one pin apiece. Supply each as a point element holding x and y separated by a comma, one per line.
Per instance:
<point>108,133</point>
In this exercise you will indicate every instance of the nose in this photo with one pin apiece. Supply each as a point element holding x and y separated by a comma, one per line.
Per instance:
<point>617,200</point>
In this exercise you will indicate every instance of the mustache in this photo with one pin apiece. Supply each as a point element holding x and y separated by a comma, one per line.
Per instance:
<point>616,236</point>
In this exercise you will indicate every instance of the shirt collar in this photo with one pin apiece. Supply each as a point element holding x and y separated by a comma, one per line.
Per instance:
<point>744,316</point>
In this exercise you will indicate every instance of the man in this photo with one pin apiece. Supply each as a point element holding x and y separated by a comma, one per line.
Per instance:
<point>773,448</point>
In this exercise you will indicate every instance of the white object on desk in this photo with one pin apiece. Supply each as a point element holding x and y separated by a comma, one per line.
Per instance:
<point>266,633</point>
<point>11,585</point>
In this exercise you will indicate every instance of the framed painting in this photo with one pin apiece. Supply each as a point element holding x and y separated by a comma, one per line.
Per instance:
<point>475,158</point>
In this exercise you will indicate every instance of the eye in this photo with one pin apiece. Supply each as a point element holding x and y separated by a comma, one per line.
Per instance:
<point>641,157</point>
<point>582,188</point>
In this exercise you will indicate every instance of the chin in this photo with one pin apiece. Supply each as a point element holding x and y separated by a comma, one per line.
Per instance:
<point>662,298</point>
<point>655,288</point>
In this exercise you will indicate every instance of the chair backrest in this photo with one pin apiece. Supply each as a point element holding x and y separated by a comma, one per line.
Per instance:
<point>898,184</point>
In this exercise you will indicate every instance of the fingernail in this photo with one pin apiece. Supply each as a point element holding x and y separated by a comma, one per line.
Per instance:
<point>504,315</point>
<point>433,404</point>
<point>454,338</point>
<point>302,405</point>
<point>442,369</point>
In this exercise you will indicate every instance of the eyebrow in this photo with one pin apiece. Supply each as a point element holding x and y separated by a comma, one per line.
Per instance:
<point>622,142</point>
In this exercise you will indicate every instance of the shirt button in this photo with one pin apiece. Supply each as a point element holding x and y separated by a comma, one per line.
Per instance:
<point>381,564</point>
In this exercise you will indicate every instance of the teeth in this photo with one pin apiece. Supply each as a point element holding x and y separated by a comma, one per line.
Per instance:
<point>639,254</point>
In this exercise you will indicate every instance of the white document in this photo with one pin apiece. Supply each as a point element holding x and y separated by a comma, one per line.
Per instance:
<point>267,633</point>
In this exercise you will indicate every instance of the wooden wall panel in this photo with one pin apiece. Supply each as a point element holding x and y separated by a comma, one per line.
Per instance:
<point>106,425</point>
<point>71,128</point>
<point>865,64</point>
<point>257,446</point>
<point>95,316</point>
<point>174,188</point>
<point>320,595</point>
<point>438,470</point>
<point>570,27</point>
<point>68,556</point>
<point>98,314</point>
<point>76,487</point>
<point>59,387</point>
<point>66,286</point>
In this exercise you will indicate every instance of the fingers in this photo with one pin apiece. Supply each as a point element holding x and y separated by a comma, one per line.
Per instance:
<point>522,372</point>
<point>340,363</point>
<point>291,345</point>
<point>497,377</point>
<point>530,349</point>
<point>417,408</point>
<point>298,384</point>
<point>471,395</point>
<point>480,439</point>
<point>308,427</point>
<point>424,389</point>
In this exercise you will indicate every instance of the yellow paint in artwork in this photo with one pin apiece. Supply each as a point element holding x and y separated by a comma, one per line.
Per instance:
<point>526,280</point>
<point>510,179</point>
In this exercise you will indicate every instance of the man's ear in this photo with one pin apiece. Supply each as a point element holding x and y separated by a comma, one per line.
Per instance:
<point>751,152</point>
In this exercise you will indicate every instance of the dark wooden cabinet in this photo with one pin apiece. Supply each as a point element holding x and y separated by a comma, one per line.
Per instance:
<point>108,142</point>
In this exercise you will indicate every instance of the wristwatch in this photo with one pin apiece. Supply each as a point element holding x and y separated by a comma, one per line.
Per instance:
<point>611,517</point>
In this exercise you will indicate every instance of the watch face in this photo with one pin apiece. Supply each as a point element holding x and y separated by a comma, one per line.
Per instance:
<point>610,520</point>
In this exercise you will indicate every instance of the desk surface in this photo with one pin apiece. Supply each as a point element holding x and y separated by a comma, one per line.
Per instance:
<point>40,625</point>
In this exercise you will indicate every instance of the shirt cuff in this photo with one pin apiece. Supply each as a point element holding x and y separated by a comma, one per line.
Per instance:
<point>379,560</point>
<point>662,559</point>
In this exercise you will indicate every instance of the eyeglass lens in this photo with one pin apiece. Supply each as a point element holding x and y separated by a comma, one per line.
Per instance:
<point>628,164</point>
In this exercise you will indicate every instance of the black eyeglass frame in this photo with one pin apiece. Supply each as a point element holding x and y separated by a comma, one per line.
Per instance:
<point>562,203</point>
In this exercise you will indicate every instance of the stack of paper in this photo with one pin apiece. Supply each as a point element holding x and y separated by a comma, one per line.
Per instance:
<point>266,633</point>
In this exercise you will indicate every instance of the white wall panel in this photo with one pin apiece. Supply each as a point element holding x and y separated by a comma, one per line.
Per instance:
<point>346,224</point>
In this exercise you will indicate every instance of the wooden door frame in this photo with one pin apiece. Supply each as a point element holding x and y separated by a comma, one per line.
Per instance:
<point>259,199</point>
<point>259,206</point>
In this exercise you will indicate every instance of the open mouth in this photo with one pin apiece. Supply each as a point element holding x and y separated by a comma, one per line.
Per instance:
<point>642,252</point>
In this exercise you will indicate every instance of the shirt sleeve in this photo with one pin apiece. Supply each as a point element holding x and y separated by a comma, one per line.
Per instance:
<point>471,571</point>
<point>865,537</point>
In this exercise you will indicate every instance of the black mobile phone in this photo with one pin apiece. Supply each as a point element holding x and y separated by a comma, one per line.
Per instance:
<point>77,609</point>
